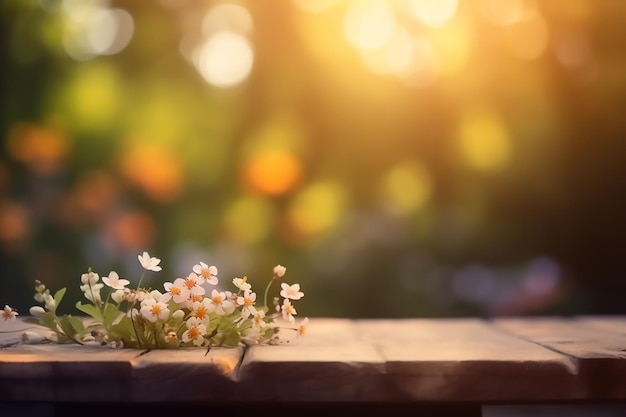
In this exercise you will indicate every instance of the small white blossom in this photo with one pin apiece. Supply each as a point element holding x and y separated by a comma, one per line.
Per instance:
<point>220,304</point>
<point>302,328</point>
<point>118,296</point>
<point>208,273</point>
<point>195,331</point>
<point>201,309</point>
<point>153,310</point>
<point>242,283</point>
<point>8,313</point>
<point>288,311</point>
<point>258,320</point>
<point>92,293</point>
<point>247,303</point>
<point>291,291</point>
<point>114,281</point>
<point>177,291</point>
<point>89,278</point>
<point>149,263</point>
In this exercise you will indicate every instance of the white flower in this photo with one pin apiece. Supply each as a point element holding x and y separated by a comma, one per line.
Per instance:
<point>114,281</point>
<point>247,303</point>
<point>195,331</point>
<point>9,313</point>
<point>242,283</point>
<point>291,291</point>
<point>92,293</point>
<point>302,328</point>
<point>288,311</point>
<point>200,310</point>
<point>119,295</point>
<point>149,263</point>
<point>208,273</point>
<point>258,321</point>
<point>193,282</point>
<point>279,271</point>
<point>49,302</point>
<point>36,311</point>
<point>152,310</point>
<point>219,304</point>
<point>89,278</point>
<point>176,290</point>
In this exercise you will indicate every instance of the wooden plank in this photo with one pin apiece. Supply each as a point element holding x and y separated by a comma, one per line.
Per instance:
<point>613,323</point>
<point>189,374</point>
<point>467,360</point>
<point>600,352</point>
<point>330,363</point>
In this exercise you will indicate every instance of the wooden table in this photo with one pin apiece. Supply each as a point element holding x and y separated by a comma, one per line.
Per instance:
<point>415,365</point>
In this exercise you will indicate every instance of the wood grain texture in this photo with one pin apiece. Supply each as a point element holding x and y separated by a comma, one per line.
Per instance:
<point>331,363</point>
<point>467,360</point>
<point>599,350</point>
<point>551,359</point>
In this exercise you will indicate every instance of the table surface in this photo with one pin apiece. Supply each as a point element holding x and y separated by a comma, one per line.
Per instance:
<point>501,360</point>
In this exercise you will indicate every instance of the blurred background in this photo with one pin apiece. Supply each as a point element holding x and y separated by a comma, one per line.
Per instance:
<point>407,158</point>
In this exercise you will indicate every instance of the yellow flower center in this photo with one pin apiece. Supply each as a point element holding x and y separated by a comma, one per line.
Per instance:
<point>302,330</point>
<point>193,333</point>
<point>201,312</point>
<point>175,290</point>
<point>196,297</point>
<point>190,283</point>
<point>155,310</point>
<point>217,299</point>
<point>205,273</point>
<point>247,302</point>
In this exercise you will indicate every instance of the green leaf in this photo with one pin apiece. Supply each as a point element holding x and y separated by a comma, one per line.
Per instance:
<point>90,310</point>
<point>111,313</point>
<point>58,296</point>
<point>66,325</point>
<point>77,324</point>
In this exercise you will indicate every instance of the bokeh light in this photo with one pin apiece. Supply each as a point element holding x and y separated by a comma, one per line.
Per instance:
<point>427,157</point>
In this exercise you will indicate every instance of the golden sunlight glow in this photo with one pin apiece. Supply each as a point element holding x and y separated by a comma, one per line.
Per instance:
<point>249,220</point>
<point>484,141</point>
<point>92,29</point>
<point>504,12</point>
<point>528,38</point>
<point>394,57</point>
<point>227,17</point>
<point>93,96</point>
<point>153,169</point>
<point>225,59</point>
<point>453,44</point>
<point>317,208</point>
<point>369,24</point>
<point>272,171</point>
<point>434,12</point>
<point>424,67</point>
<point>314,6</point>
<point>407,187</point>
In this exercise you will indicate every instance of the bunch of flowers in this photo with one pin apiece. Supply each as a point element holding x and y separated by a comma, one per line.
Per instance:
<point>183,314</point>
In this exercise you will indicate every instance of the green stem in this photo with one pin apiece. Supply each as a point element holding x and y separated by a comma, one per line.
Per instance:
<point>265,295</point>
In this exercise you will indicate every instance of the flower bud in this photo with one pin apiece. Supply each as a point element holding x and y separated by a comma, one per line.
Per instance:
<point>279,271</point>
<point>31,338</point>
<point>37,311</point>
<point>118,296</point>
<point>178,315</point>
